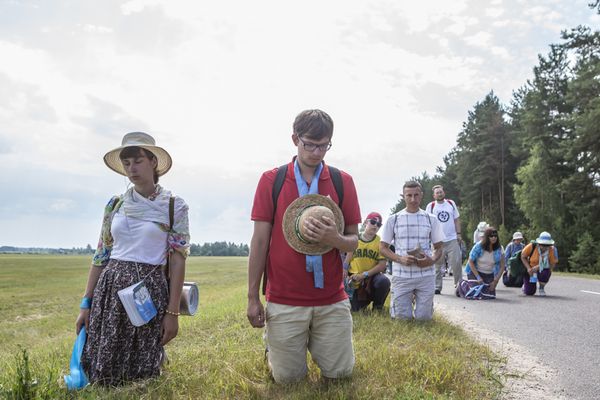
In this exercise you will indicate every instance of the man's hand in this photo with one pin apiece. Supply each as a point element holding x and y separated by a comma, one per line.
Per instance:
<point>425,261</point>
<point>358,277</point>
<point>170,327</point>
<point>322,231</point>
<point>256,313</point>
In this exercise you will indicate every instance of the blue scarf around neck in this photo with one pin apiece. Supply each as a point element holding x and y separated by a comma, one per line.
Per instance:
<point>314,263</point>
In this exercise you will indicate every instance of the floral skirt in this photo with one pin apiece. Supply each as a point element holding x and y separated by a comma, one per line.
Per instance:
<point>116,351</point>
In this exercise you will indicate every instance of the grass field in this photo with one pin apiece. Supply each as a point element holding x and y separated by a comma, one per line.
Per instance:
<point>217,354</point>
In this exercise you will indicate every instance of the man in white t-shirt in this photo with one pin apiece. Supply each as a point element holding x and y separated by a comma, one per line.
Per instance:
<point>447,214</point>
<point>414,233</point>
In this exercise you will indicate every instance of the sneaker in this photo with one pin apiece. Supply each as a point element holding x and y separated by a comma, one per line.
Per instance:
<point>542,292</point>
<point>438,291</point>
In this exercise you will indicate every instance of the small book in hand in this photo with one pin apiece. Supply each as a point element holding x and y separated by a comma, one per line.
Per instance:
<point>416,252</point>
<point>138,303</point>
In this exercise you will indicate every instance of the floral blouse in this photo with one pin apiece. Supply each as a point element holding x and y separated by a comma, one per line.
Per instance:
<point>178,238</point>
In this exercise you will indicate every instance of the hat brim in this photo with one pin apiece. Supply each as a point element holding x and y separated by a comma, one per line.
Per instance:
<point>112,160</point>
<point>544,242</point>
<point>292,213</point>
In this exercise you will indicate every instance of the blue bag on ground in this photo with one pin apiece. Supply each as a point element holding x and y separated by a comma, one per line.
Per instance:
<point>473,290</point>
<point>77,379</point>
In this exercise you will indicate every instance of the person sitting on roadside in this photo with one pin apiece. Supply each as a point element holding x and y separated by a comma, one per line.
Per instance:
<point>539,264</point>
<point>486,260</point>
<point>515,245</point>
<point>366,266</point>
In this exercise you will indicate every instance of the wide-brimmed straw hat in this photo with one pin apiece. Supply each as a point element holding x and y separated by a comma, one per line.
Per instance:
<point>545,238</point>
<point>145,141</point>
<point>311,205</point>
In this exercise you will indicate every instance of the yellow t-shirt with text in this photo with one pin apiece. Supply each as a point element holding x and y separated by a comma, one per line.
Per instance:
<point>366,255</point>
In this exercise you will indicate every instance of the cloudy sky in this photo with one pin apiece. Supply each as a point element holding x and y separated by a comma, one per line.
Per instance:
<point>219,83</point>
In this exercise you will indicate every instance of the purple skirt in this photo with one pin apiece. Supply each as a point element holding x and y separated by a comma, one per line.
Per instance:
<point>116,351</point>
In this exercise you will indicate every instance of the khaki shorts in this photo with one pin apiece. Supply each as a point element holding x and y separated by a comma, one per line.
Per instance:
<point>325,331</point>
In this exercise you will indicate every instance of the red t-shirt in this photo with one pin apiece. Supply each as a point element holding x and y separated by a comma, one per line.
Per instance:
<point>289,282</point>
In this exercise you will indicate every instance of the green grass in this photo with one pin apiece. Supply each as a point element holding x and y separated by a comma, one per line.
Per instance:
<point>217,354</point>
<point>577,275</point>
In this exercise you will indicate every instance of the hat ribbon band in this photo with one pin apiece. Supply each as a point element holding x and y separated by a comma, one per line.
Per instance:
<point>297,225</point>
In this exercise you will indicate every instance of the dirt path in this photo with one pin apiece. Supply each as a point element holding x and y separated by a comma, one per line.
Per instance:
<point>524,376</point>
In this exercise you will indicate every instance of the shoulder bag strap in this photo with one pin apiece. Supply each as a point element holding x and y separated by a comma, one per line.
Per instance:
<point>171,221</point>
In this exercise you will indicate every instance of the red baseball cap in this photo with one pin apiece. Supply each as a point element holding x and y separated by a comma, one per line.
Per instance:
<point>375,215</point>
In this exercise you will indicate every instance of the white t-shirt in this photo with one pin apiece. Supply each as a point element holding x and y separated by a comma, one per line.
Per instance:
<point>405,231</point>
<point>485,263</point>
<point>137,240</point>
<point>446,213</point>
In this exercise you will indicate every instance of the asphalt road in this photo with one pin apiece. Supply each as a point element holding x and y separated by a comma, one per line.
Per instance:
<point>561,329</point>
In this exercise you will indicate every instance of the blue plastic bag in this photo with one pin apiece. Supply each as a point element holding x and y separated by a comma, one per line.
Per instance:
<point>77,378</point>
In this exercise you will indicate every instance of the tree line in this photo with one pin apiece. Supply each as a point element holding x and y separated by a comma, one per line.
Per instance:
<point>206,249</point>
<point>219,249</point>
<point>534,165</point>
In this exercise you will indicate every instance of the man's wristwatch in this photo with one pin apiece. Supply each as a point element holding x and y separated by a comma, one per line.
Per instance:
<point>366,274</point>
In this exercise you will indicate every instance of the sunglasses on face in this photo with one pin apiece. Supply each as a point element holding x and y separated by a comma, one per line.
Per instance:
<point>494,234</point>
<point>373,221</point>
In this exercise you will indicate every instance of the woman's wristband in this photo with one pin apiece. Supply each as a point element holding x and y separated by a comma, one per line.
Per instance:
<point>176,314</point>
<point>86,303</point>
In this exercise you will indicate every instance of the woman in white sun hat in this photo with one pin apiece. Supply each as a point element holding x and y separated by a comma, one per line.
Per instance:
<point>539,258</point>
<point>515,245</point>
<point>141,230</point>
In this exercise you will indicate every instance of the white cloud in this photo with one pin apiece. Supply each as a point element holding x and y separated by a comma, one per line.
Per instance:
<point>494,12</point>
<point>96,29</point>
<point>479,39</point>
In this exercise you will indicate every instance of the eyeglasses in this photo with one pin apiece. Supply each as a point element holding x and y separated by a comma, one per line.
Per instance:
<point>373,221</point>
<point>494,234</point>
<point>313,147</point>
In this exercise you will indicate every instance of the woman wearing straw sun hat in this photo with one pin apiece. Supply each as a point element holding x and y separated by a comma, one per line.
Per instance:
<point>141,230</point>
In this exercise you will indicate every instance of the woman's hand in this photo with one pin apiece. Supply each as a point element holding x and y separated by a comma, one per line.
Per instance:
<point>358,277</point>
<point>83,319</point>
<point>479,279</point>
<point>170,326</point>
<point>533,270</point>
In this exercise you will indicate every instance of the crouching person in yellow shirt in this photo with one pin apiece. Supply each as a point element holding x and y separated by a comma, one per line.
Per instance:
<point>365,267</point>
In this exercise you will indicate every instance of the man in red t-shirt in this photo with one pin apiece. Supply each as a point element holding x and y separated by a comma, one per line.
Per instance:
<point>299,315</point>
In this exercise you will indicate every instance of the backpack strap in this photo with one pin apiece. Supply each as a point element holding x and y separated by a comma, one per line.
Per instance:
<point>533,246</point>
<point>451,203</point>
<point>336,177</point>
<point>277,185</point>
